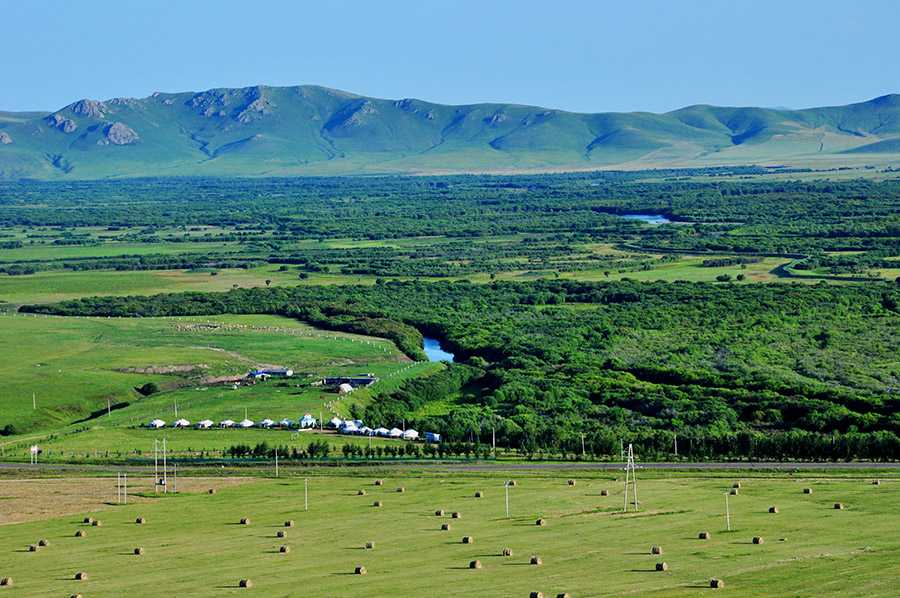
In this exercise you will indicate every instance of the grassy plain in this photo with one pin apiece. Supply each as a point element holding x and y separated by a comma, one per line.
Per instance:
<point>194,545</point>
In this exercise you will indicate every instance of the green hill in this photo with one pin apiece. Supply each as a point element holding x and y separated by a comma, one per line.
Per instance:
<point>315,130</point>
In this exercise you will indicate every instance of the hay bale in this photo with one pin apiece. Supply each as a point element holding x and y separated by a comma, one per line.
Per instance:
<point>511,483</point>
<point>773,509</point>
<point>476,564</point>
<point>535,560</point>
<point>32,548</point>
<point>839,506</point>
<point>289,523</point>
<point>758,540</point>
<point>6,581</point>
<point>716,583</point>
<point>456,515</point>
<point>377,503</point>
<point>284,549</point>
<point>439,513</point>
<point>211,491</point>
<point>468,540</point>
<point>87,520</point>
<point>703,536</point>
<point>97,523</point>
<point>138,551</point>
<point>736,485</point>
<point>245,583</point>
<point>76,596</point>
<point>479,494</point>
<point>361,492</point>
<point>604,493</point>
<point>43,542</point>
<point>506,552</point>
<point>537,595</point>
<point>563,595</point>
<point>445,527</point>
<point>571,482</point>
<point>140,521</point>
<point>656,549</point>
<point>540,522</point>
<point>281,534</point>
<point>807,491</point>
<point>80,533</point>
<point>379,482</point>
<point>401,489</point>
<point>81,576</point>
<point>360,570</point>
<point>370,545</point>
<point>734,492</point>
<point>876,482</point>
<point>663,566</point>
<point>245,521</point>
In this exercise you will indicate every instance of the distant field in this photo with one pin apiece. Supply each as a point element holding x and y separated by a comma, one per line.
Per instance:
<point>194,545</point>
<point>73,365</point>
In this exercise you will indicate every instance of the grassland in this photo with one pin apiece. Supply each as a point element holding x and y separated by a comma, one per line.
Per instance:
<point>193,544</point>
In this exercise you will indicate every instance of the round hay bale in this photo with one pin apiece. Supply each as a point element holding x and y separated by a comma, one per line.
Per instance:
<point>361,492</point>
<point>511,483</point>
<point>807,491</point>
<point>476,564</point>
<point>75,596</point>
<point>289,523</point>
<point>734,492</point>
<point>439,513</point>
<point>245,521</point>
<point>604,493</point>
<point>245,583</point>
<point>563,595</point>
<point>81,576</point>
<point>401,489</point>
<point>571,482</point>
<point>88,520</point>
<point>839,506</point>
<point>656,549</point>
<point>360,570</point>
<point>281,534</point>
<point>663,566</point>
<point>876,482</point>
<point>773,509</point>
<point>80,533</point>
<point>456,515</point>
<point>32,548</point>
<point>703,536</point>
<point>468,540</point>
<point>43,542</point>
<point>535,560</point>
<point>506,552</point>
<point>540,522</point>
<point>138,551</point>
<point>284,549</point>
<point>758,540</point>
<point>211,491</point>
<point>6,581</point>
<point>537,595</point>
<point>716,583</point>
<point>97,523</point>
<point>377,503</point>
<point>479,494</point>
<point>736,485</point>
<point>379,482</point>
<point>140,521</point>
<point>370,545</point>
<point>445,527</point>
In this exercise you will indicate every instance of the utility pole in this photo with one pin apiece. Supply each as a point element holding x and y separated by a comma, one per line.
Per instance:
<point>165,469</point>
<point>176,408</point>
<point>506,488</point>
<point>727,514</point>
<point>676,445</point>
<point>156,465</point>
<point>33,401</point>
<point>276,462</point>
<point>629,473</point>
<point>305,494</point>
<point>582,446</point>
<point>493,438</point>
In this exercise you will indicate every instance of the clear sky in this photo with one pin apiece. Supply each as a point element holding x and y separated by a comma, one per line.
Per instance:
<point>589,56</point>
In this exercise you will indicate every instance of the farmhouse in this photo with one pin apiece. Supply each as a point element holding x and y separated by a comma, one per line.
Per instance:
<point>266,373</point>
<point>357,381</point>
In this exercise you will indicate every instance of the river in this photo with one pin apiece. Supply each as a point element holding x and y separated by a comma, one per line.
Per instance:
<point>434,351</point>
<point>648,218</point>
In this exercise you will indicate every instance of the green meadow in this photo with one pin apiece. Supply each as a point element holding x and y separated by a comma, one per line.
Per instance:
<point>193,543</point>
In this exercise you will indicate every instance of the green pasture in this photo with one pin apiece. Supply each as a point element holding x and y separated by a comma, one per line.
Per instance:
<point>193,544</point>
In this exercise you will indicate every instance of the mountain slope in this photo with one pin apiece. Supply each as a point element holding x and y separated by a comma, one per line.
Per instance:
<point>316,130</point>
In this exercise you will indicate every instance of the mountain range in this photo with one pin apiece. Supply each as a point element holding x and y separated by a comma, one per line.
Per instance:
<point>308,129</point>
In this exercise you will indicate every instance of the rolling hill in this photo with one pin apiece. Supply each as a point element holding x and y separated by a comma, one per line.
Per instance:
<point>315,130</point>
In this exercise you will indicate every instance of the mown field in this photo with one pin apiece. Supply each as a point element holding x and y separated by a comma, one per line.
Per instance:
<point>70,368</point>
<point>193,543</point>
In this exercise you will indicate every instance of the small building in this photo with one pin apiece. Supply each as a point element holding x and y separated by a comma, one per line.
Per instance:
<point>357,381</point>
<point>156,424</point>
<point>226,423</point>
<point>204,424</point>
<point>395,433</point>
<point>266,423</point>
<point>410,435</point>
<point>308,421</point>
<point>246,423</point>
<point>181,423</point>
<point>382,432</point>
<point>348,427</point>
<point>432,437</point>
<point>266,373</point>
<point>366,431</point>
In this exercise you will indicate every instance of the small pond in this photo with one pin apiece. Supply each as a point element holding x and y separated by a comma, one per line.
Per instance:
<point>434,351</point>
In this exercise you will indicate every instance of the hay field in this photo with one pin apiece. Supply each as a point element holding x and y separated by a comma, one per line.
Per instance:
<point>193,543</point>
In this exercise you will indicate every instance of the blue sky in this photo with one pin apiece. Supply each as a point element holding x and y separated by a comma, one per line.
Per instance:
<point>587,56</point>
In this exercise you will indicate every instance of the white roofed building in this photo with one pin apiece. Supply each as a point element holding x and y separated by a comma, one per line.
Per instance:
<point>156,423</point>
<point>181,423</point>
<point>226,423</point>
<point>246,423</point>
<point>205,424</point>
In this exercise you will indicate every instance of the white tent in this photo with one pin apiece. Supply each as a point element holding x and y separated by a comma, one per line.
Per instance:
<point>204,424</point>
<point>286,423</point>
<point>381,432</point>
<point>367,431</point>
<point>349,428</point>
<point>181,423</point>
<point>395,433</point>
<point>410,435</point>
<point>266,423</point>
<point>307,421</point>
<point>226,423</point>
<point>335,422</point>
<point>246,423</point>
<point>156,423</point>
<point>345,389</point>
